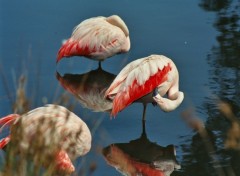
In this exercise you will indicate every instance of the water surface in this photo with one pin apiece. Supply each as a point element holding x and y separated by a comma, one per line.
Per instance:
<point>201,37</point>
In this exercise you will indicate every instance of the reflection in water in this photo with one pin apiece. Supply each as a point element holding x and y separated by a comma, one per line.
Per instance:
<point>233,135</point>
<point>201,152</point>
<point>225,80</point>
<point>89,88</point>
<point>141,157</point>
<point>224,84</point>
<point>214,5</point>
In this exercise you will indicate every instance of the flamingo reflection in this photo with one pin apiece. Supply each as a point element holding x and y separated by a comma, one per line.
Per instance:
<point>141,157</point>
<point>89,88</point>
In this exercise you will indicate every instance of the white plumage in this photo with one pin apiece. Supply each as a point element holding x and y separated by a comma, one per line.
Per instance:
<point>97,38</point>
<point>63,121</point>
<point>142,77</point>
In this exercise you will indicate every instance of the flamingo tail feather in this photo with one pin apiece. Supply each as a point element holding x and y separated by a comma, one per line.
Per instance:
<point>74,48</point>
<point>4,142</point>
<point>8,120</point>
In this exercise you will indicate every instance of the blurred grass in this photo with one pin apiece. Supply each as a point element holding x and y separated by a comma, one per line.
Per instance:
<point>25,162</point>
<point>231,140</point>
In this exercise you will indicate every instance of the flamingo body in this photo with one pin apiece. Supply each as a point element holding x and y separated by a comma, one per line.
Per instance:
<point>71,134</point>
<point>155,74</point>
<point>97,38</point>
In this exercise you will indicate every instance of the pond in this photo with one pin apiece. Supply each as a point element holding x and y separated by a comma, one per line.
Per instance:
<point>201,37</point>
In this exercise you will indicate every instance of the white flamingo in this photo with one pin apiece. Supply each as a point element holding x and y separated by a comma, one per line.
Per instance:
<point>71,134</point>
<point>146,80</point>
<point>97,38</point>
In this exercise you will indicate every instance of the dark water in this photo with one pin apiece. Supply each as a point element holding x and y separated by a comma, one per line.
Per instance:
<point>202,37</point>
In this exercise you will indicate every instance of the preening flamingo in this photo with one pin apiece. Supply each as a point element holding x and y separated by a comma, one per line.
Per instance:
<point>146,80</point>
<point>52,125</point>
<point>97,38</point>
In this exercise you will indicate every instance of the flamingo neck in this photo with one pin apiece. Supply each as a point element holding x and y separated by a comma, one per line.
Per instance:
<point>168,105</point>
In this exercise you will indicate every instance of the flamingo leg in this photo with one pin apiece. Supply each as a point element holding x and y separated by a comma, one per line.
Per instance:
<point>143,128</point>
<point>99,65</point>
<point>144,112</point>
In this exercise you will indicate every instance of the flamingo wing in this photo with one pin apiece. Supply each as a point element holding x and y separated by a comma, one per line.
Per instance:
<point>137,79</point>
<point>121,77</point>
<point>63,122</point>
<point>95,38</point>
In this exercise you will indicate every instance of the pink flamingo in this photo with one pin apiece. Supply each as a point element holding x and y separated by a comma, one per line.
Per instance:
<point>97,38</point>
<point>71,134</point>
<point>146,80</point>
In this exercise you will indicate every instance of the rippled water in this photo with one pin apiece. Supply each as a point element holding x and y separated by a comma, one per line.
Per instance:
<point>203,39</point>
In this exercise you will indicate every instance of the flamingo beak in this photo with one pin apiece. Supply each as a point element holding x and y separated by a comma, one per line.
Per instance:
<point>155,92</point>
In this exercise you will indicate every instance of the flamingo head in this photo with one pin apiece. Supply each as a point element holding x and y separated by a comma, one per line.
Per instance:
<point>117,21</point>
<point>167,104</point>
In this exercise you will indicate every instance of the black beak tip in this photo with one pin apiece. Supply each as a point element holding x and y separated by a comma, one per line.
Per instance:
<point>155,92</point>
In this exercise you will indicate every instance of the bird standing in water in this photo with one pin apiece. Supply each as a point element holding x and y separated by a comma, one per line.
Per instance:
<point>47,131</point>
<point>146,80</point>
<point>97,38</point>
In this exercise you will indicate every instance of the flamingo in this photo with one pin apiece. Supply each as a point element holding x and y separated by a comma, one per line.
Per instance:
<point>97,38</point>
<point>146,80</point>
<point>56,125</point>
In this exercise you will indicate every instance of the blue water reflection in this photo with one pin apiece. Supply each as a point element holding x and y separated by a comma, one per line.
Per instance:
<point>201,37</point>
<point>89,88</point>
<point>141,157</point>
